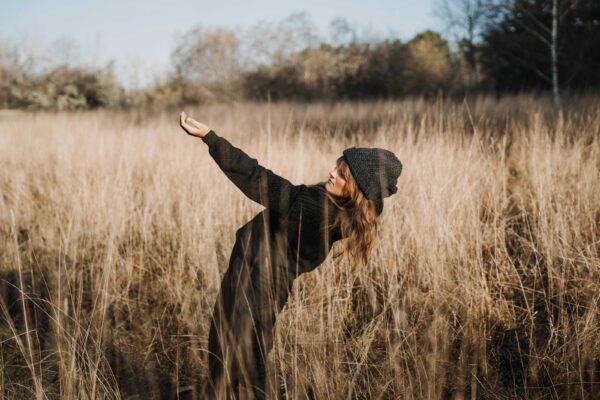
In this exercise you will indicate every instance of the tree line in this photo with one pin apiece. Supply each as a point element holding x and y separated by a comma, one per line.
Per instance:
<point>487,46</point>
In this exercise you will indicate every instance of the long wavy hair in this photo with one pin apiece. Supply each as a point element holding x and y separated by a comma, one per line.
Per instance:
<point>357,218</point>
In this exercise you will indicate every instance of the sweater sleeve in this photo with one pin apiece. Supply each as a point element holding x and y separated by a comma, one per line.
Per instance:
<point>256,182</point>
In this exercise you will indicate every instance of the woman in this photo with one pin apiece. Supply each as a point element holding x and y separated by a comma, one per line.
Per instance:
<point>293,235</point>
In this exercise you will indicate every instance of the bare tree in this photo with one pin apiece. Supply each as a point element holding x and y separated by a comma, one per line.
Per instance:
<point>465,20</point>
<point>64,51</point>
<point>207,55</point>
<point>341,32</point>
<point>548,36</point>
<point>271,43</point>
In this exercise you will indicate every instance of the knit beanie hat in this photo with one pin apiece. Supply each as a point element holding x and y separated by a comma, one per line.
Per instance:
<point>376,172</point>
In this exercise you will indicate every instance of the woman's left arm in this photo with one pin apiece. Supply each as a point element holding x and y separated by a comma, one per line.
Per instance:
<point>255,181</point>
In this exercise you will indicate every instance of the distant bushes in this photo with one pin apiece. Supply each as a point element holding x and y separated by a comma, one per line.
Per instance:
<point>388,69</point>
<point>63,88</point>
<point>216,64</point>
<point>288,60</point>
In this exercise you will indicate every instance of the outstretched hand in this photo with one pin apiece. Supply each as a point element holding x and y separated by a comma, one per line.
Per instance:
<point>192,127</point>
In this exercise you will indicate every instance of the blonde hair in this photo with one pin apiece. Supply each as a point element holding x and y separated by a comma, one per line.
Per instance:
<point>357,218</point>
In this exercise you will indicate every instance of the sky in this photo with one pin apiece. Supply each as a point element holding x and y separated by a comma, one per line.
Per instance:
<point>139,36</point>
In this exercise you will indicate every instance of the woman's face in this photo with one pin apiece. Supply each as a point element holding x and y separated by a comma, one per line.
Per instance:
<point>336,183</point>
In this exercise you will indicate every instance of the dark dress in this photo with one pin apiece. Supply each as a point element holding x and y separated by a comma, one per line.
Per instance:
<point>290,237</point>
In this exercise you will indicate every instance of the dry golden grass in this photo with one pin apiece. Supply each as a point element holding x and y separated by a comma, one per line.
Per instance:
<point>485,281</point>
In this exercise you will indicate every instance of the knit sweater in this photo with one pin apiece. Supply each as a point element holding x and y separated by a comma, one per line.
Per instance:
<point>292,233</point>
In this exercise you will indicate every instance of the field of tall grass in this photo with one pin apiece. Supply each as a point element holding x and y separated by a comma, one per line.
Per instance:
<point>115,228</point>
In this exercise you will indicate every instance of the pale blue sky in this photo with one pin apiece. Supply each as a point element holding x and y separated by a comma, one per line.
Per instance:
<point>140,35</point>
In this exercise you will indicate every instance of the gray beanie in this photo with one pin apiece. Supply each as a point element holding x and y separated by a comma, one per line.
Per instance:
<point>376,172</point>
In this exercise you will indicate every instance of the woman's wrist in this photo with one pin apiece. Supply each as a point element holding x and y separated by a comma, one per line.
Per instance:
<point>210,137</point>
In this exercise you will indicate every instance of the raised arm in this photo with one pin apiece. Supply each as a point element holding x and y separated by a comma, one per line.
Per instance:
<point>255,181</point>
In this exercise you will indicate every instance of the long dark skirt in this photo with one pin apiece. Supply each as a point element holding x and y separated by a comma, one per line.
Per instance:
<point>241,330</point>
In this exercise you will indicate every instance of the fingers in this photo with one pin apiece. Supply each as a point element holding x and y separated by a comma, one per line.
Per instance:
<point>185,126</point>
<point>190,125</point>
<point>191,121</point>
<point>184,122</point>
<point>185,119</point>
